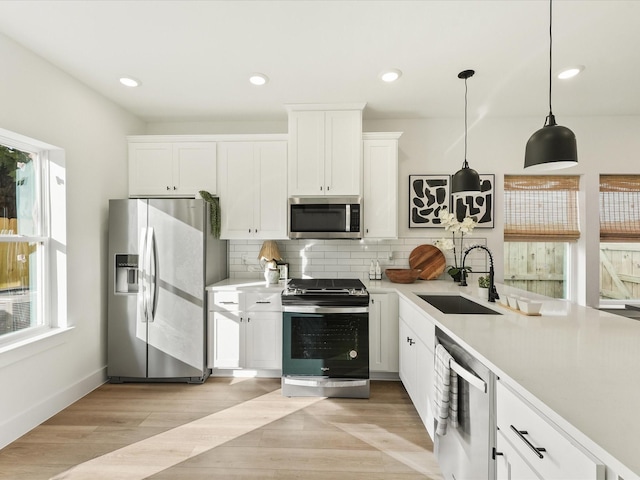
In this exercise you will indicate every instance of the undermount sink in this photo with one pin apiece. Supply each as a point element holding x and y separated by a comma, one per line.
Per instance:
<point>457,304</point>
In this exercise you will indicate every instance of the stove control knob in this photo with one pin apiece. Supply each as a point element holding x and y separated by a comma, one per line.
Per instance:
<point>353,354</point>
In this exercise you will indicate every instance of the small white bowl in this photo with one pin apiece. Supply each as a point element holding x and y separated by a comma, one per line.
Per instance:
<point>530,307</point>
<point>513,302</point>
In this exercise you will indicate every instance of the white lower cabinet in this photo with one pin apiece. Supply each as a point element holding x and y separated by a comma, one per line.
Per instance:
<point>531,446</point>
<point>383,332</point>
<point>416,344</point>
<point>509,464</point>
<point>245,331</point>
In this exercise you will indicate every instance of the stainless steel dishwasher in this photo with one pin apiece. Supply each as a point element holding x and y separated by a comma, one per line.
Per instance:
<point>467,451</point>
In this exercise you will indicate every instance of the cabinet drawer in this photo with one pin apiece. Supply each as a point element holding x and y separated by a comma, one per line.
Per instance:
<point>263,302</point>
<point>225,301</point>
<point>562,458</point>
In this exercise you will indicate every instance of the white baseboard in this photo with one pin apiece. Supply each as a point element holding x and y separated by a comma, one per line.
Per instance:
<point>19,424</point>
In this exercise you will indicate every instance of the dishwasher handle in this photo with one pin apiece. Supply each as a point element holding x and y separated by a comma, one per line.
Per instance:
<point>468,376</point>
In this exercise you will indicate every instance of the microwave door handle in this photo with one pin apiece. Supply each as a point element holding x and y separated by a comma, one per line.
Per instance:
<point>348,219</point>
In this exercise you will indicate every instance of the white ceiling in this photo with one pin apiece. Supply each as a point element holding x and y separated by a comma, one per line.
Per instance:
<point>194,57</point>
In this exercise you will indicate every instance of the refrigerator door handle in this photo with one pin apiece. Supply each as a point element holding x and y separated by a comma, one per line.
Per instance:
<point>142,295</point>
<point>153,262</point>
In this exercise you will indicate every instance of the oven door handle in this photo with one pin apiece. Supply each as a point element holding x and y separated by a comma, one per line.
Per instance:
<point>316,309</point>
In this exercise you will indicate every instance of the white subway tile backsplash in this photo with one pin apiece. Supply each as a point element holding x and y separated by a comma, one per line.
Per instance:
<point>341,258</point>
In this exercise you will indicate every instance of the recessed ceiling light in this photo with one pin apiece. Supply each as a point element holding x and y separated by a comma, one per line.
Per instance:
<point>129,82</point>
<point>390,75</point>
<point>258,79</point>
<point>570,72</point>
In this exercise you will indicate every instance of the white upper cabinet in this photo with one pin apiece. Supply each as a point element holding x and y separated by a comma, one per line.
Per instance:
<point>253,192</point>
<point>163,167</point>
<point>380,185</point>
<point>325,149</point>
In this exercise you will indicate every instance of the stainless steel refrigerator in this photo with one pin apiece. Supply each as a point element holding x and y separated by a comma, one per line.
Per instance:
<point>161,257</point>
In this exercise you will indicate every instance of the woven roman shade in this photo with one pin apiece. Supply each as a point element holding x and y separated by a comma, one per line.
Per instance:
<point>620,208</point>
<point>541,208</point>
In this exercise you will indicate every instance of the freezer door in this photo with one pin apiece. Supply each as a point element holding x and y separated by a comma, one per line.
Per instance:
<point>126,329</point>
<point>176,328</point>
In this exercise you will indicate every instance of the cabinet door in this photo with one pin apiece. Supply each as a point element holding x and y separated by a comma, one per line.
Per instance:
<point>343,152</point>
<point>380,188</point>
<point>424,385</point>
<point>408,359</point>
<point>227,338</point>
<point>150,169</point>
<point>306,153</point>
<point>509,464</point>
<point>237,189</point>
<point>270,207</point>
<point>383,332</point>
<point>263,346</point>
<point>194,167</point>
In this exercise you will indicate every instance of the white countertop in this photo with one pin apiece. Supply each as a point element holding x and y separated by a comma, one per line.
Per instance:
<point>578,365</point>
<point>245,285</point>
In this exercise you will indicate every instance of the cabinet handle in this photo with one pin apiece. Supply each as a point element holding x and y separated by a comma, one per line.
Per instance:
<point>248,319</point>
<point>263,301</point>
<point>328,188</point>
<point>175,188</point>
<point>168,187</point>
<point>534,449</point>
<point>410,341</point>
<point>229,303</point>
<point>495,453</point>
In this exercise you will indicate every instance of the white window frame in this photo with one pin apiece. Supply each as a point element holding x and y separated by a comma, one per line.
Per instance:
<point>52,257</point>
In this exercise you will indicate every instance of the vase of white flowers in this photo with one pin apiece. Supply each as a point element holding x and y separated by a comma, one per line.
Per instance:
<point>457,228</point>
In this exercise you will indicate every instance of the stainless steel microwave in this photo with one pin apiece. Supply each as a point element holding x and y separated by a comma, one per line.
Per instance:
<point>325,217</point>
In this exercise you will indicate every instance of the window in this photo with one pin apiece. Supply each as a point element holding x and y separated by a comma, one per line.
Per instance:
<point>22,244</point>
<point>619,238</point>
<point>32,239</point>
<point>541,223</point>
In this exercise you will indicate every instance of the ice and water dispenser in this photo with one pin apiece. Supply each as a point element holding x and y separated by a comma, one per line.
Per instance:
<point>126,273</point>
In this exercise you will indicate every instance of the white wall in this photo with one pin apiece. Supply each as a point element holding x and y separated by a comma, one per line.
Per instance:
<point>495,146</point>
<point>41,102</point>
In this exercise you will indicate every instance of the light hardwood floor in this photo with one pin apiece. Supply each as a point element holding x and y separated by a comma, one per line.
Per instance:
<point>226,429</point>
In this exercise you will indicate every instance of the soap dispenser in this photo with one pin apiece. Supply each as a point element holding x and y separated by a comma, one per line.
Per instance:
<point>378,271</point>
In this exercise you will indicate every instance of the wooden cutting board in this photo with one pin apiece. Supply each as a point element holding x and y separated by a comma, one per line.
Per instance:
<point>429,259</point>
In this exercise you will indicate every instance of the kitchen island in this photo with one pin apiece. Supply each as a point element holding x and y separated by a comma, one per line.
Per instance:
<point>579,366</point>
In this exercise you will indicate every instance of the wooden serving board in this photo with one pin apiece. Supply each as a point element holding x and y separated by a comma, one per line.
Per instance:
<point>429,259</point>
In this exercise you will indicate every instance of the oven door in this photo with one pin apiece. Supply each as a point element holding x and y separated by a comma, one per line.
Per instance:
<point>326,341</point>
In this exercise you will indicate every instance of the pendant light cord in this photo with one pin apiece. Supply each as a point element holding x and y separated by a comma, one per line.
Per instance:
<point>465,164</point>
<point>550,50</point>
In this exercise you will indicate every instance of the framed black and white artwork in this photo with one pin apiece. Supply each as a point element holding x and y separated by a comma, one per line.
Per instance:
<point>428,195</point>
<point>478,205</point>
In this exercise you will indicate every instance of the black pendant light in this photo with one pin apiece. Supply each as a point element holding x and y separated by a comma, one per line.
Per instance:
<point>553,146</point>
<point>466,180</point>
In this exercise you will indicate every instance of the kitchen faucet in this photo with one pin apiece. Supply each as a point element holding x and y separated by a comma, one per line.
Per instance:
<point>493,293</point>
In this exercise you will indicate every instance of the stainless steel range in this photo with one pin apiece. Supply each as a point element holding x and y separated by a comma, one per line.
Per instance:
<point>325,348</point>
